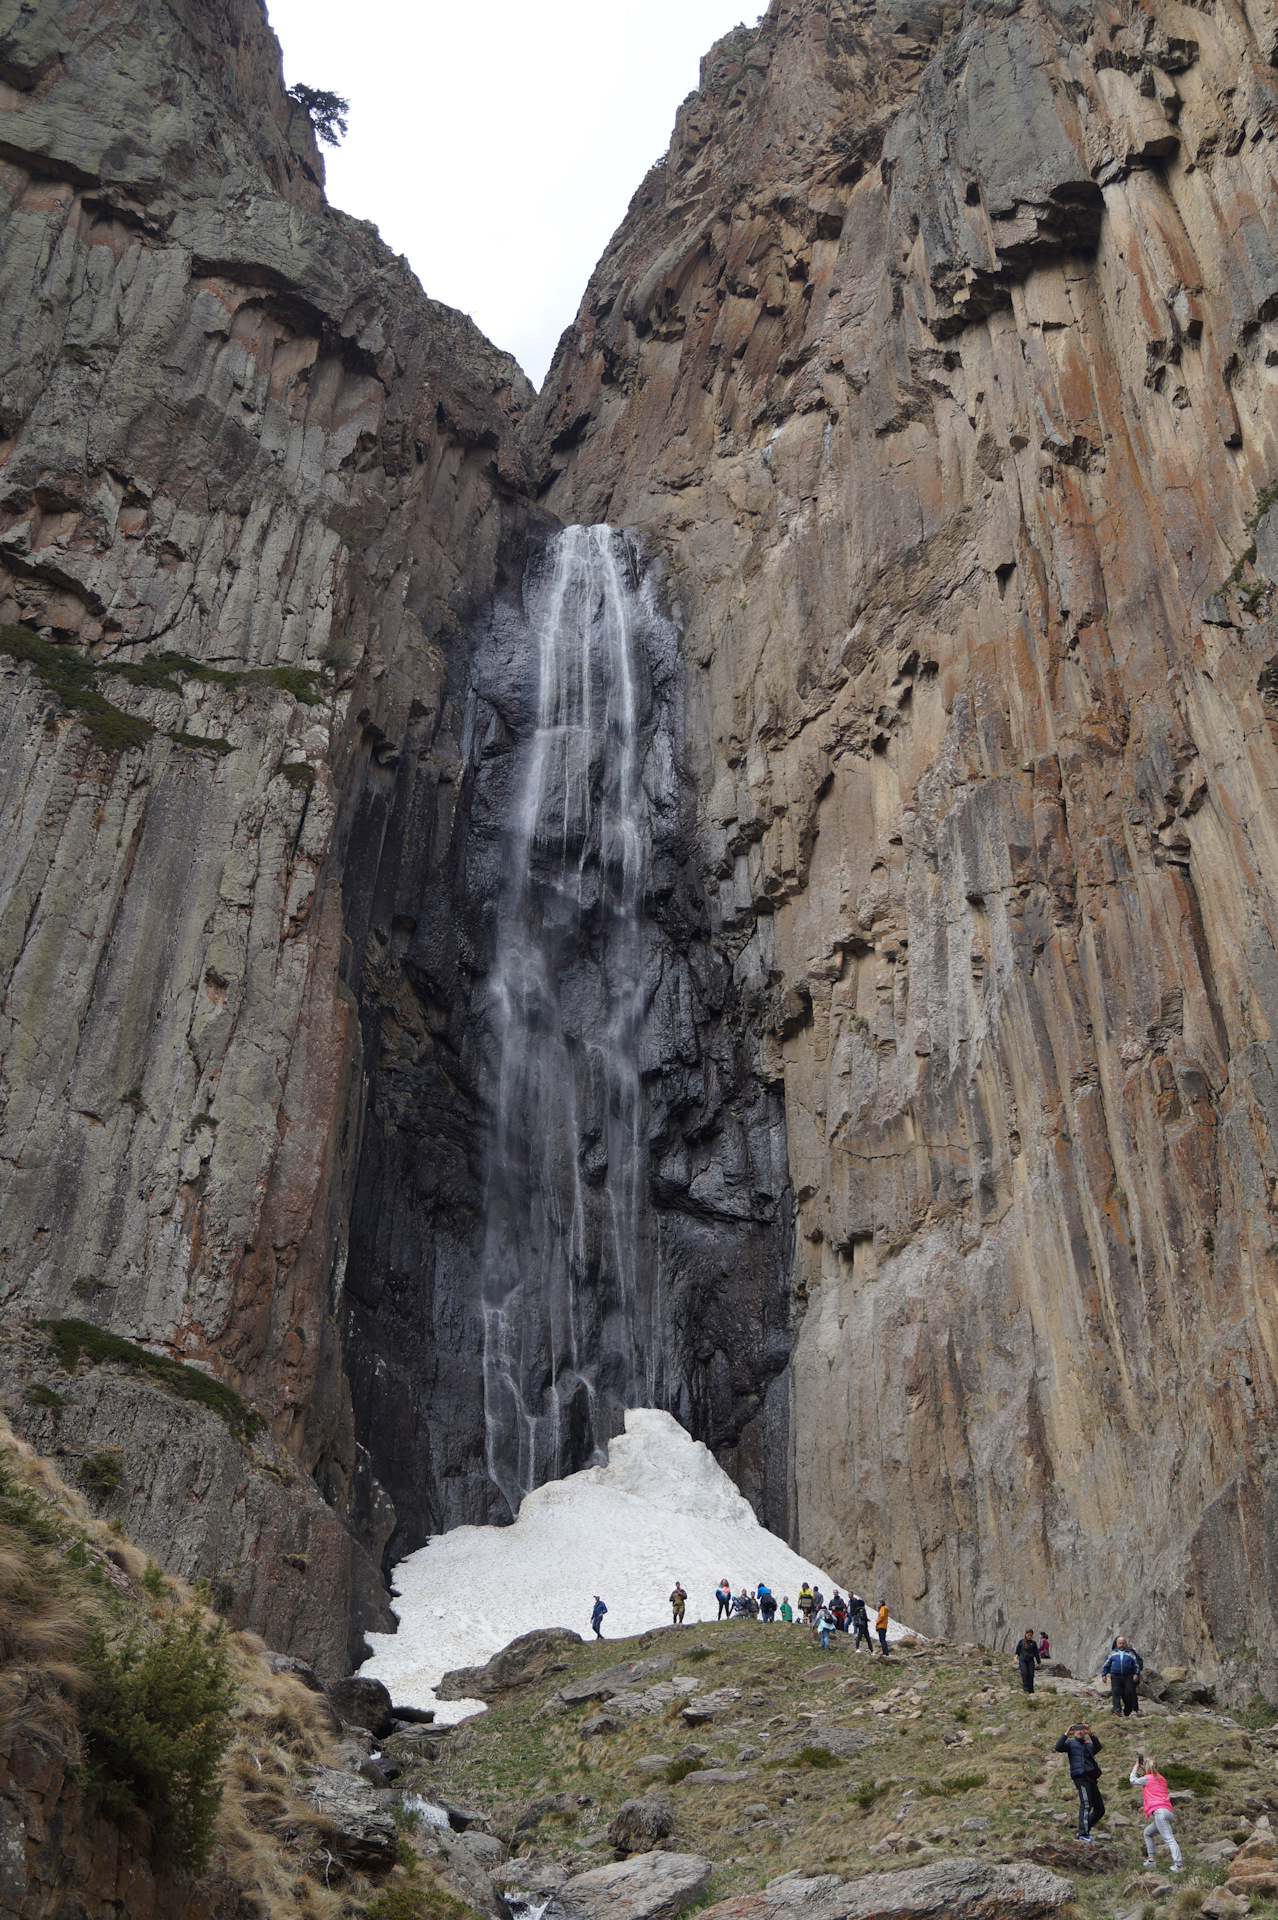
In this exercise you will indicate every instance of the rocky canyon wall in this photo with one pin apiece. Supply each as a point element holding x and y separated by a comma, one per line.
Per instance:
<point>241,446</point>
<point>939,356</point>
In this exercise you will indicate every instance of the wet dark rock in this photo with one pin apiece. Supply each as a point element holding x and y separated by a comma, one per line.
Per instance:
<point>361,1702</point>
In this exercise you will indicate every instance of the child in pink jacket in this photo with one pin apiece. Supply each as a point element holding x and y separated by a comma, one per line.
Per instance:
<point>1158,1810</point>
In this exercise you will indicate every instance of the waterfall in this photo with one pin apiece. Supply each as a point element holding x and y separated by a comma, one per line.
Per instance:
<point>565,1224</point>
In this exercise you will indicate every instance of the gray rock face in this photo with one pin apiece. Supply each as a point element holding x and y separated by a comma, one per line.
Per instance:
<point>648,1886</point>
<point>355,1817</point>
<point>363,1703</point>
<point>526,1660</point>
<point>943,1888</point>
<point>637,1825</point>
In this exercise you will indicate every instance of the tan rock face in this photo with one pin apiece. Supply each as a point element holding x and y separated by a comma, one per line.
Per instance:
<point>937,355</point>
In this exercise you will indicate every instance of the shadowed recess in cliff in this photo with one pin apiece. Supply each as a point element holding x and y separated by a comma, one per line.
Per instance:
<point>568,1254</point>
<point>573,1192</point>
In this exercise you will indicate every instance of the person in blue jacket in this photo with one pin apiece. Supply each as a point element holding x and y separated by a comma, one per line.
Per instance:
<point>597,1613</point>
<point>1122,1670</point>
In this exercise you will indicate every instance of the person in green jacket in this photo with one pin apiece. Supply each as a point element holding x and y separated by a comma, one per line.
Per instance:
<point>787,1611</point>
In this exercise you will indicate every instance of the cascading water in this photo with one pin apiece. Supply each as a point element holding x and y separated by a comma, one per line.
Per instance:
<point>565,1203</point>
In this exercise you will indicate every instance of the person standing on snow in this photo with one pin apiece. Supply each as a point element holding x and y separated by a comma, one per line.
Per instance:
<point>678,1601</point>
<point>723,1594</point>
<point>597,1613</point>
<point>860,1624</point>
<point>1027,1658</point>
<point>881,1626</point>
<point>1082,1746</point>
<point>1158,1810</point>
<point>1122,1669</point>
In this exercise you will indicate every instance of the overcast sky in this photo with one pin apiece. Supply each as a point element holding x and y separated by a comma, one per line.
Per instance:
<point>497,143</point>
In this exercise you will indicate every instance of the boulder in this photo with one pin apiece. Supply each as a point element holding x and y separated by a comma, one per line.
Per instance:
<point>648,1886</point>
<point>362,1703</point>
<point>714,1777</point>
<point>536,1810</point>
<point>1223,1905</point>
<point>355,1819</point>
<point>639,1824</point>
<point>414,1716</point>
<point>1257,1879</point>
<point>698,1712</point>
<point>526,1660</point>
<point>652,1763</point>
<point>612,1681</point>
<point>946,1887</point>
<point>1075,1856</point>
<point>1259,1847</point>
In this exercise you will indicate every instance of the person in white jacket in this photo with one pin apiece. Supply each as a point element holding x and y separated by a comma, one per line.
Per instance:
<point>1158,1810</point>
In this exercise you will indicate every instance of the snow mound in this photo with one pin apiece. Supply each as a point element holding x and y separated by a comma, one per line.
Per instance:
<point>661,1510</point>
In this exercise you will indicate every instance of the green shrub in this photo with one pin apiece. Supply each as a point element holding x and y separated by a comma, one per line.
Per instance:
<point>1179,1774</point>
<point>867,1795</point>
<point>39,1395</point>
<point>205,742</point>
<point>153,1581</point>
<point>157,1723</point>
<point>953,1783</point>
<point>299,774</point>
<point>817,1757</point>
<point>1259,1712</point>
<point>680,1769</point>
<point>100,1474</point>
<point>417,1903</point>
<point>697,1654</point>
<point>71,1338</point>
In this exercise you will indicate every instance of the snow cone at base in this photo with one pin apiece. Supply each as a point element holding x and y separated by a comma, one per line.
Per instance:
<point>662,1509</point>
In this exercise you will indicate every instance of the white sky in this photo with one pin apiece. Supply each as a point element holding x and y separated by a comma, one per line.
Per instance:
<point>497,143</point>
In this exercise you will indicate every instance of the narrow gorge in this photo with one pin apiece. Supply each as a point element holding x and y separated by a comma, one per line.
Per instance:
<point>745,883</point>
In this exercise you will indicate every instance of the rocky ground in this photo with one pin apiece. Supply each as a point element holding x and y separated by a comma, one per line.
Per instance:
<point>745,1752</point>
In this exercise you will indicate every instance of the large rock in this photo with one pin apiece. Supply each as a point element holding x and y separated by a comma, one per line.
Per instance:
<point>362,1702</point>
<point>355,1818</point>
<point>527,1659</point>
<point>648,1886</point>
<point>638,1825</point>
<point>948,1889</point>
<point>1077,1856</point>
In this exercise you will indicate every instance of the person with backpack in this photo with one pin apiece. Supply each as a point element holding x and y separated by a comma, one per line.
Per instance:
<point>1122,1670</point>
<point>825,1627</point>
<point>1158,1810</point>
<point>767,1605</point>
<point>723,1594</point>
<point>1027,1658</point>
<point>806,1604</point>
<point>860,1625</point>
<point>678,1601</point>
<point>838,1607</point>
<point>881,1626</point>
<point>1081,1746</point>
<point>787,1611</point>
<point>597,1613</point>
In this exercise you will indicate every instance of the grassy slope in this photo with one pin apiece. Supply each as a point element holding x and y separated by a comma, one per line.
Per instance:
<point>823,1819</point>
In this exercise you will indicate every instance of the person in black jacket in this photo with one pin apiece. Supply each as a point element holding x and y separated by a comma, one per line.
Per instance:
<point>1027,1658</point>
<point>1082,1746</point>
<point>860,1624</point>
<point>1123,1669</point>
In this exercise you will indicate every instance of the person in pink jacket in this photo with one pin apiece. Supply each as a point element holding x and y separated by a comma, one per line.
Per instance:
<point>1158,1810</point>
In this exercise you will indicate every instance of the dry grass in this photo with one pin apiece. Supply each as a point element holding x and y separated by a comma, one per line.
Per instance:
<point>64,1572</point>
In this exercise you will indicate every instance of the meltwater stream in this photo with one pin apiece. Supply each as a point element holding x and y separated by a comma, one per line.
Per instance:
<point>564,1232</point>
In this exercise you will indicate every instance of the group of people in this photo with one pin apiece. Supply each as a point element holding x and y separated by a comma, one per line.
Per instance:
<point>1122,1669</point>
<point>824,1617</point>
<point>1081,1746</point>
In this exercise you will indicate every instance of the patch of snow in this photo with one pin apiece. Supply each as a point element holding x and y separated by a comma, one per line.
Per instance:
<point>661,1510</point>
<point>426,1809</point>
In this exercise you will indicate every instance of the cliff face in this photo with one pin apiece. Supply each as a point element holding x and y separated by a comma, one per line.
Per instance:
<point>239,444</point>
<point>937,355</point>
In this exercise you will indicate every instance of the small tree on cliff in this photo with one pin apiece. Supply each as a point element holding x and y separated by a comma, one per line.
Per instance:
<point>328,112</point>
